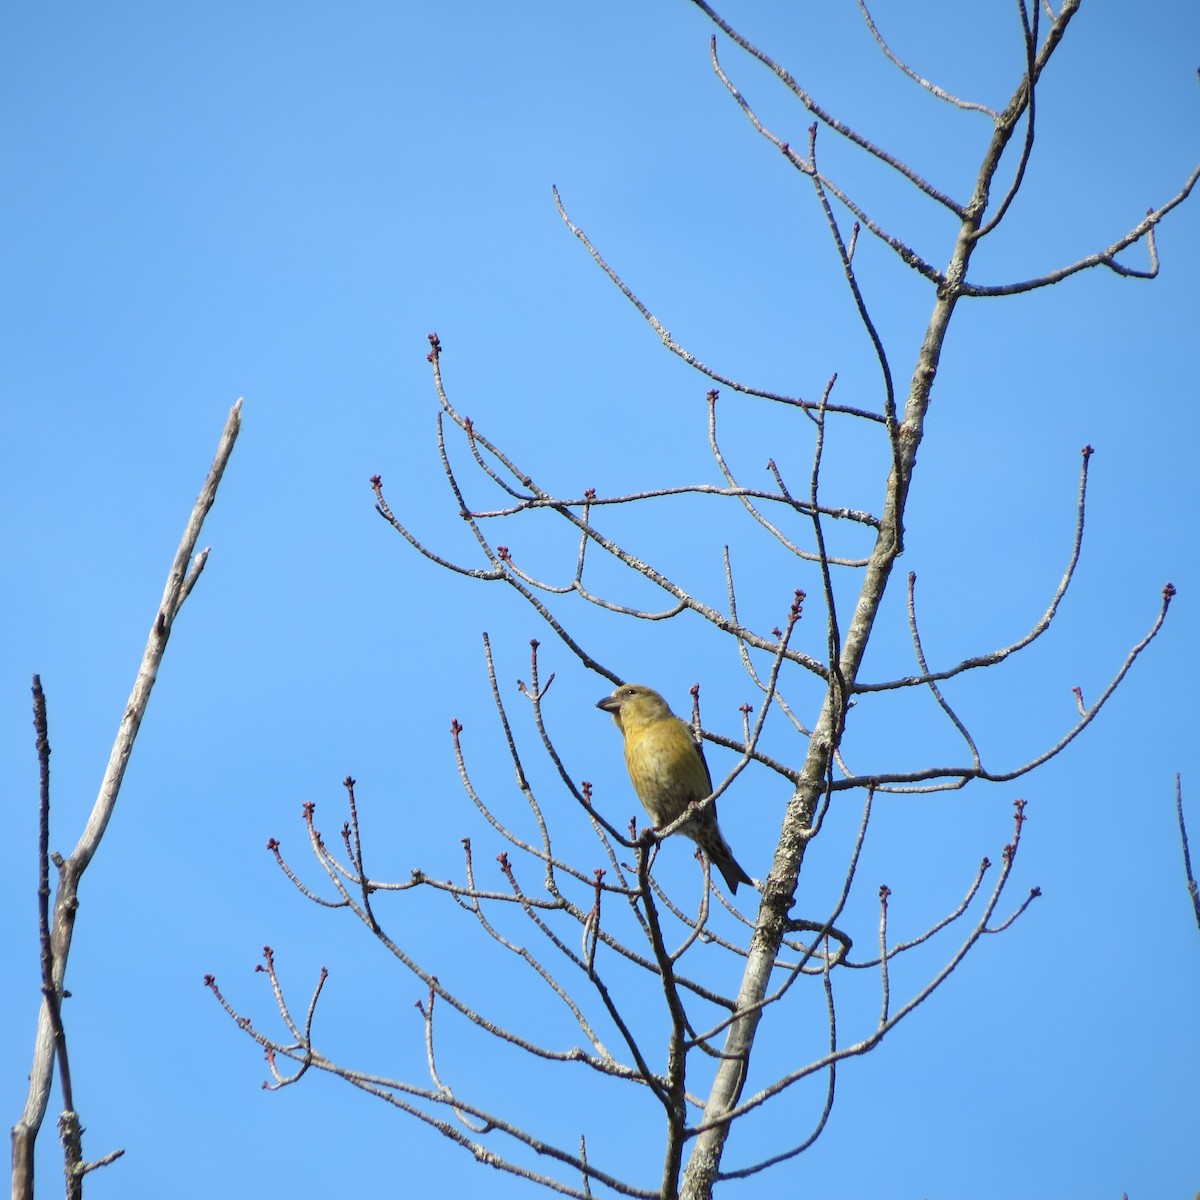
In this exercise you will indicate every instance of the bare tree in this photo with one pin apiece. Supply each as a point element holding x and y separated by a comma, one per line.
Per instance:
<point>57,920</point>
<point>689,1060</point>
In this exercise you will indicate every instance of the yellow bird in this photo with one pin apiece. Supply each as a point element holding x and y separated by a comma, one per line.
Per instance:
<point>667,768</point>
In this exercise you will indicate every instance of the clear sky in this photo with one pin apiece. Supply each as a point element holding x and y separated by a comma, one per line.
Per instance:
<point>279,201</point>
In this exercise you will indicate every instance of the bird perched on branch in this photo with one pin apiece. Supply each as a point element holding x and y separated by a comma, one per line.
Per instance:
<point>667,768</point>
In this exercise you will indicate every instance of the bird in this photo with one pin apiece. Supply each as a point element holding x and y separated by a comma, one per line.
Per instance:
<point>667,769</point>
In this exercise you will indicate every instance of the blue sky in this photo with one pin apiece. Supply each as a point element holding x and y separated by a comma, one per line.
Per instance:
<point>280,202</point>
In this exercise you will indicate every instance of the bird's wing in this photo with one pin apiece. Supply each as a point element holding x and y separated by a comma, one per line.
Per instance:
<point>703,761</point>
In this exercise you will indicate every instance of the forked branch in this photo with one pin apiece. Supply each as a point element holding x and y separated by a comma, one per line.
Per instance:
<point>58,923</point>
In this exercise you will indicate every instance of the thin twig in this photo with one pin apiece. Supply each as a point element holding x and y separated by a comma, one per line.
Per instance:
<point>1193,890</point>
<point>681,351</point>
<point>932,88</point>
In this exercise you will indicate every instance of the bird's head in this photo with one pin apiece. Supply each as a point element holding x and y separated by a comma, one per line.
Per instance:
<point>633,705</point>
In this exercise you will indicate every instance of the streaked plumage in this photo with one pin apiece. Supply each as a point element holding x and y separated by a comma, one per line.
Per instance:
<point>668,772</point>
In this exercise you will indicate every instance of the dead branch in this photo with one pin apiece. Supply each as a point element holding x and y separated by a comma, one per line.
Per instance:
<point>58,924</point>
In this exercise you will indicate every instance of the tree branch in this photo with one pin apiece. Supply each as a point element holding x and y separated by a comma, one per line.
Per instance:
<point>181,578</point>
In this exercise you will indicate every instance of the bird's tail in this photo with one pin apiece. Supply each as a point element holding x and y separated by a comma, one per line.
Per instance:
<point>719,854</point>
